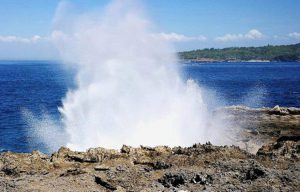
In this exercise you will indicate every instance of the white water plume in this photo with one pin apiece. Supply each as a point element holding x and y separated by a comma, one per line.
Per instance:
<point>129,89</point>
<point>44,132</point>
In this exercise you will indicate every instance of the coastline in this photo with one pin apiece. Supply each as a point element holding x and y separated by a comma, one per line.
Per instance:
<point>268,53</point>
<point>234,61</point>
<point>275,164</point>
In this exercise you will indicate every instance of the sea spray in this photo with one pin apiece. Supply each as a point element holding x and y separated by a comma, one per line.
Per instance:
<point>129,89</point>
<point>44,131</point>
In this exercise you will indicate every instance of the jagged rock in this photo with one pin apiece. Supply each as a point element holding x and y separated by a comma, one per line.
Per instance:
<point>93,155</point>
<point>251,128</point>
<point>284,149</point>
<point>154,166</point>
<point>202,179</point>
<point>73,171</point>
<point>271,132</point>
<point>101,168</point>
<point>39,155</point>
<point>254,172</point>
<point>104,183</point>
<point>294,111</point>
<point>126,149</point>
<point>161,165</point>
<point>10,170</point>
<point>278,111</point>
<point>289,138</point>
<point>173,179</point>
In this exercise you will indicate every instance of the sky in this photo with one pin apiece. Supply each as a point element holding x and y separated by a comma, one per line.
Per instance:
<point>26,25</point>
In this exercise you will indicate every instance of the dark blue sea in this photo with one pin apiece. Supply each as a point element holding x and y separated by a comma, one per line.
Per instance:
<point>39,86</point>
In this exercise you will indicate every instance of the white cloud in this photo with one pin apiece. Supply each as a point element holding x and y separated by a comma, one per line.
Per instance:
<point>9,39</point>
<point>252,34</point>
<point>175,37</point>
<point>34,47</point>
<point>295,35</point>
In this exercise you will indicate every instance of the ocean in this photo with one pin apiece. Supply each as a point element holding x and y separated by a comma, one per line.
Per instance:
<point>39,86</point>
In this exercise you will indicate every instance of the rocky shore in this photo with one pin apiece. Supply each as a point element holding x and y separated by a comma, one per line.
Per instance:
<point>251,128</point>
<point>202,167</point>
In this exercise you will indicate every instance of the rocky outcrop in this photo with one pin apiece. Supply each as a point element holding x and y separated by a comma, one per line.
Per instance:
<point>250,128</point>
<point>281,150</point>
<point>199,167</point>
<point>270,134</point>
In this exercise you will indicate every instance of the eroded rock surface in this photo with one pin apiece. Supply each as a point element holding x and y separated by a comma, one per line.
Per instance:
<point>200,167</point>
<point>270,134</point>
<point>250,128</point>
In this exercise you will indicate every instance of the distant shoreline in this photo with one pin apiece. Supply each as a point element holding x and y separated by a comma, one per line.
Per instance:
<point>269,53</point>
<point>235,61</point>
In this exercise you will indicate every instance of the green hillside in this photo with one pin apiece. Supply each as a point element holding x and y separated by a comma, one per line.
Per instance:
<point>272,53</point>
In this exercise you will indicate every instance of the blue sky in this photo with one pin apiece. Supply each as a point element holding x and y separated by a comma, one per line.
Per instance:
<point>189,24</point>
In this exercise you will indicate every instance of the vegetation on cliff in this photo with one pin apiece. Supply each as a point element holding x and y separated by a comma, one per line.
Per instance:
<point>269,52</point>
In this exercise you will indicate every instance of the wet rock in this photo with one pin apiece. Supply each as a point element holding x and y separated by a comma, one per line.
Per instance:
<point>161,165</point>
<point>278,111</point>
<point>254,173</point>
<point>289,138</point>
<point>269,124</point>
<point>202,179</point>
<point>173,179</point>
<point>10,170</point>
<point>294,111</point>
<point>197,168</point>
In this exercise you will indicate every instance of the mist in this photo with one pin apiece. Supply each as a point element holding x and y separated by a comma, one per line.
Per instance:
<point>128,84</point>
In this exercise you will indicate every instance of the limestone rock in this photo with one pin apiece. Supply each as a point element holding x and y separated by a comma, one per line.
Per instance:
<point>274,132</point>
